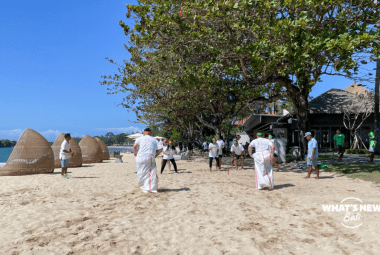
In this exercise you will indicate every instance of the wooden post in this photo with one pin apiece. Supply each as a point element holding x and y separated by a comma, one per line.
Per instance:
<point>329,136</point>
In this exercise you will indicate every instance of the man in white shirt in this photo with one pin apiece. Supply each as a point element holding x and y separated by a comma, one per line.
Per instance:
<point>220,143</point>
<point>205,148</point>
<point>64,155</point>
<point>146,149</point>
<point>213,153</point>
<point>263,167</point>
<point>237,151</point>
<point>274,158</point>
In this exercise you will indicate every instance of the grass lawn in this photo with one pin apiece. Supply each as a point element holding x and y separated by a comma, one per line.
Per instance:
<point>367,172</point>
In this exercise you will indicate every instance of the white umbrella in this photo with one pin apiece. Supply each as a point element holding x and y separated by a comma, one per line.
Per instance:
<point>159,137</point>
<point>134,136</point>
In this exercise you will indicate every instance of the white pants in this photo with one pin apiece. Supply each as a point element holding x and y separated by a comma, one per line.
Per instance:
<point>147,174</point>
<point>263,169</point>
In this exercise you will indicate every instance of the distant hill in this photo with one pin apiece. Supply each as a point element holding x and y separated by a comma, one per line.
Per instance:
<point>6,143</point>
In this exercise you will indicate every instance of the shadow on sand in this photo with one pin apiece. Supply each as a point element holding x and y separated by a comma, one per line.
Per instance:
<point>173,190</point>
<point>282,186</point>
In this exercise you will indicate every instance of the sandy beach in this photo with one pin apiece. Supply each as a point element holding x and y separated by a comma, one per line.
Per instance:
<point>102,210</point>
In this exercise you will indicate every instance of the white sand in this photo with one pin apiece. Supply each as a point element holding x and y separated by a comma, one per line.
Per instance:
<point>101,210</point>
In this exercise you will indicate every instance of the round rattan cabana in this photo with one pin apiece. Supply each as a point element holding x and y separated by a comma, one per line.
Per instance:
<point>91,150</point>
<point>105,152</point>
<point>75,161</point>
<point>31,155</point>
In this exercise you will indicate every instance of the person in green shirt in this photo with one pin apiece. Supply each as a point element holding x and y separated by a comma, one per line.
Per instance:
<point>372,144</point>
<point>339,141</point>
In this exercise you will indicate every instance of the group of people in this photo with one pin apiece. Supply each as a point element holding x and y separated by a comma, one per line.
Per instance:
<point>147,148</point>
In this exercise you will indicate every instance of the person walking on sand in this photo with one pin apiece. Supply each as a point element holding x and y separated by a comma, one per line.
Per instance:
<point>237,138</point>
<point>190,148</point>
<point>339,141</point>
<point>274,158</point>
<point>205,148</point>
<point>372,144</point>
<point>237,151</point>
<point>312,155</point>
<point>263,167</point>
<point>213,153</point>
<point>164,144</point>
<point>168,153</point>
<point>220,143</point>
<point>64,155</point>
<point>146,149</point>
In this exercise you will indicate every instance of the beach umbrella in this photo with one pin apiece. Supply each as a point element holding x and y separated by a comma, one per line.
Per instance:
<point>134,136</point>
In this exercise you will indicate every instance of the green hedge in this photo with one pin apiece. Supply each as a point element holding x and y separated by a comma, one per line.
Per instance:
<point>357,151</point>
<point>348,151</point>
<point>289,157</point>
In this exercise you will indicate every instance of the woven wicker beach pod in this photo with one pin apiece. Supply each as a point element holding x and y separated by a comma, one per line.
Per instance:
<point>75,161</point>
<point>105,152</point>
<point>91,150</point>
<point>31,155</point>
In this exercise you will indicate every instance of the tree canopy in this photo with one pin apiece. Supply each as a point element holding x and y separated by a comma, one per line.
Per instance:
<point>188,56</point>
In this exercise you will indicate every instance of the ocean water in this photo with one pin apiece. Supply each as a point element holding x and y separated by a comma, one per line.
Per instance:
<point>120,149</point>
<point>4,154</point>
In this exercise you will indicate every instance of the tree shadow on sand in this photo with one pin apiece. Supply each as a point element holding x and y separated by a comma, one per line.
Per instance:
<point>173,190</point>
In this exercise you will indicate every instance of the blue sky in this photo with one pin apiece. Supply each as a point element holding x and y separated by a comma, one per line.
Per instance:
<point>52,57</point>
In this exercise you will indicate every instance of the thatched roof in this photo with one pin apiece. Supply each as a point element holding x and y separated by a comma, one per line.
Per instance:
<point>331,101</point>
<point>356,89</point>
<point>31,155</point>
<point>75,161</point>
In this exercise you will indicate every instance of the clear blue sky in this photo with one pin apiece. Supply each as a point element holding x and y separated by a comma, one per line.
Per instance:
<point>52,57</point>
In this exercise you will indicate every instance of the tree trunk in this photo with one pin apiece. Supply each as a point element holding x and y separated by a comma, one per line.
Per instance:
<point>300,104</point>
<point>376,113</point>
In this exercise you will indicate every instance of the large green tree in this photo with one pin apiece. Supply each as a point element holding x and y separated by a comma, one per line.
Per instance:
<point>270,49</point>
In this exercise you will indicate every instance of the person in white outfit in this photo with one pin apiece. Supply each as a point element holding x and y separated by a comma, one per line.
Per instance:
<point>64,155</point>
<point>263,167</point>
<point>205,148</point>
<point>274,158</point>
<point>237,151</point>
<point>168,153</point>
<point>213,153</point>
<point>220,143</point>
<point>146,149</point>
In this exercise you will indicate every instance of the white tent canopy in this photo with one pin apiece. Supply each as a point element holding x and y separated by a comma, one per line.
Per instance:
<point>159,137</point>
<point>134,136</point>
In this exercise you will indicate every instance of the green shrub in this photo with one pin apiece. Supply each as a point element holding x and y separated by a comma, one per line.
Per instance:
<point>365,151</point>
<point>355,151</point>
<point>348,151</point>
<point>289,157</point>
<point>362,151</point>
